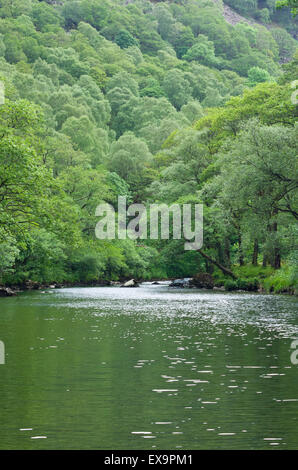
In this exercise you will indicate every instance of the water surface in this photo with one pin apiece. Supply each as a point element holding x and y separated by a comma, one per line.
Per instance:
<point>148,368</point>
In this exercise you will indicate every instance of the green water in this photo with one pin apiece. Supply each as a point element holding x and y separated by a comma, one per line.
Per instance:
<point>148,368</point>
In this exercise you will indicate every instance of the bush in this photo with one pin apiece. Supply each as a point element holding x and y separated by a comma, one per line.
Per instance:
<point>250,271</point>
<point>230,285</point>
<point>283,280</point>
<point>248,284</point>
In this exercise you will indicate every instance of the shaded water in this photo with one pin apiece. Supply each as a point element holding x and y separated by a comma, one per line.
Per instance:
<point>148,368</point>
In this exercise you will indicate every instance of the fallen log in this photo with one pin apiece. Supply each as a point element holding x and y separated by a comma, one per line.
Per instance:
<point>225,270</point>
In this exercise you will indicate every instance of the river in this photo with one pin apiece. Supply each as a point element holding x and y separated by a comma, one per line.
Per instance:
<point>148,368</point>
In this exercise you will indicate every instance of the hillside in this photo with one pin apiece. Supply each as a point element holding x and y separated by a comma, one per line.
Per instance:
<point>154,101</point>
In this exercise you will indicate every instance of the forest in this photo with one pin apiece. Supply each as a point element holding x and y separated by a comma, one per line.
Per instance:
<point>161,102</point>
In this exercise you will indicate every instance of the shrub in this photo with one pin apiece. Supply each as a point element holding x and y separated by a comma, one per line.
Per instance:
<point>230,285</point>
<point>248,284</point>
<point>283,280</point>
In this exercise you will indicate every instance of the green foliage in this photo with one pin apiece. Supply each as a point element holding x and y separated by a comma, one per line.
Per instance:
<point>284,280</point>
<point>176,88</point>
<point>150,100</point>
<point>124,39</point>
<point>248,284</point>
<point>288,3</point>
<point>257,75</point>
<point>246,7</point>
<point>8,254</point>
<point>44,16</point>
<point>202,51</point>
<point>230,285</point>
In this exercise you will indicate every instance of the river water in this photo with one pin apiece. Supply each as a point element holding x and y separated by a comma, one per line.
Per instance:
<point>148,368</point>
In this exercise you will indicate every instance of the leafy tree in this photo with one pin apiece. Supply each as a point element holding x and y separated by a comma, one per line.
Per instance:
<point>176,88</point>
<point>128,158</point>
<point>286,44</point>
<point>183,41</point>
<point>124,39</point>
<point>202,51</point>
<point>8,253</point>
<point>264,177</point>
<point>23,180</point>
<point>257,75</point>
<point>44,15</point>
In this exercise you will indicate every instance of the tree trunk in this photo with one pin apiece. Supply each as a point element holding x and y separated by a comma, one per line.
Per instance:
<point>277,259</point>
<point>241,257</point>
<point>255,253</point>
<point>227,254</point>
<point>220,253</point>
<point>225,270</point>
<point>276,255</point>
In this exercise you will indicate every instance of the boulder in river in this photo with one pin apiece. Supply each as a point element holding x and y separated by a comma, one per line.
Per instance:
<point>185,282</point>
<point>131,283</point>
<point>6,292</point>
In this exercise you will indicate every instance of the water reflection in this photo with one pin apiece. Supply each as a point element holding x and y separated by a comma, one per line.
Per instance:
<point>112,368</point>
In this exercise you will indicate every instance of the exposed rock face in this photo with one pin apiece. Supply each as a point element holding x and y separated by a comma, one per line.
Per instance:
<point>203,281</point>
<point>232,17</point>
<point>6,292</point>
<point>131,283</point>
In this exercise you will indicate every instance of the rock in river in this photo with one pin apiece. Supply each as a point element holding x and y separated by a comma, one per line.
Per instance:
<point>181,282</point>
<point>131,283</point>
<point>6,292</point>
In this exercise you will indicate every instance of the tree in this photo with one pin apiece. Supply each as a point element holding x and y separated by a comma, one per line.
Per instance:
<point>124,39</point>
<point>257,75</point>
<point>8,253</point>
<point>129,157</point>
<point>288,4</point>
<point>192,110</point>
<point>44,15</point>
<point>23,180</point>
<point>176,88</point>
<point>202,51</point>
<point>286,44</point>
<point>259,171</point>
<point>183,41</point>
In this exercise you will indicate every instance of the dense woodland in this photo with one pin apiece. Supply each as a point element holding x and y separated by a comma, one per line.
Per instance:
<point>160,102</point>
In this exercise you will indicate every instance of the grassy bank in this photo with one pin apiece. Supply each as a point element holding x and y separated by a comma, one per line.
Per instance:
<point>254,278</point>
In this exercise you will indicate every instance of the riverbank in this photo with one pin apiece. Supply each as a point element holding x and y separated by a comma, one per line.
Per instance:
<point>248,279</point>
